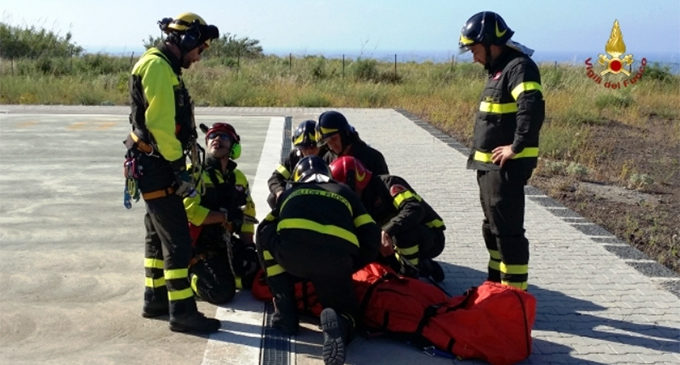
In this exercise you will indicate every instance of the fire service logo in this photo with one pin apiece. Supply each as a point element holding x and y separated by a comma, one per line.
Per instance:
<point>614,64</point>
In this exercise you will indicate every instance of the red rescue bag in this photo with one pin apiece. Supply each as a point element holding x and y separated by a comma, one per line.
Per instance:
<point>392,303</point>
<point>491,322</point>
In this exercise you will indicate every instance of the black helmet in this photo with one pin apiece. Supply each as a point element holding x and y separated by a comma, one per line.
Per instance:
<point>486,28</point>
<point>330,123</point>
<point>309,168</point>
<point>305,134</point>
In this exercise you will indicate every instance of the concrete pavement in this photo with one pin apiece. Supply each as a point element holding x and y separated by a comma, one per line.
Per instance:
<point>72,256</point>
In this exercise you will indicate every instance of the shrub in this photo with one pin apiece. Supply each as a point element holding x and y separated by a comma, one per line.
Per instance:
<point>365,70</point>
<point>577,170</point>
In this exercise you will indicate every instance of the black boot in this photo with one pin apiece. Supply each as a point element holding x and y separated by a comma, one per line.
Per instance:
<point>285,316</point>
<point>336,335</point>
<point>194,322</point>
<point>184,317</point>
<point>155,309</point>
<point>155,303</point>
<point>430,269</point>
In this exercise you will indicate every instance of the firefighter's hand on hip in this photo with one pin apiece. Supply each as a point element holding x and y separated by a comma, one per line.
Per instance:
<point>501,154</point>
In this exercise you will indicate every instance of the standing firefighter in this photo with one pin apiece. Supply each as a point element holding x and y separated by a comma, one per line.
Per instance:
<point>163,134</point>
<point>319,231</point>
<point>505,148</point>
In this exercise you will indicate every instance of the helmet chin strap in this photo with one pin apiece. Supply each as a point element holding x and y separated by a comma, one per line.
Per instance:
<point>487,61</point>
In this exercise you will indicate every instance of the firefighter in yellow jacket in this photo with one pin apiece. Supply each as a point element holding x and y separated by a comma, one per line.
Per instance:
<point>319,231</point>
<point>163,134</point>
<point>221,220</point>
<point>505,144</point>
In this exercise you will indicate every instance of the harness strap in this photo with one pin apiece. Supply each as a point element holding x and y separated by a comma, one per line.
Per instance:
<point>140,144</point>
<point>160,193</point>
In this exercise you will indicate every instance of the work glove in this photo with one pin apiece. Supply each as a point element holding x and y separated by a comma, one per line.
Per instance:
<point>184,182</point>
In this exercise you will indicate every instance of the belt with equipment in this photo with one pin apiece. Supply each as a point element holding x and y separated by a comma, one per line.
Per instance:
<point>160,193</point>
<point>140,144</point>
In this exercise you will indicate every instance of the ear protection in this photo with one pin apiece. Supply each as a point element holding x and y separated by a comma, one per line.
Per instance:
<point>191,38</point>
<point>227,128</point>
<point>235,149</point>
<point>187,40</point>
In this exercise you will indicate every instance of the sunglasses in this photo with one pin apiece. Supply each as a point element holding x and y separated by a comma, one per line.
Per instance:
<point>221,136</point>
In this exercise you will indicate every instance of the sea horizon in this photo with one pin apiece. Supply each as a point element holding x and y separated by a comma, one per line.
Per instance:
<point>663,59</point>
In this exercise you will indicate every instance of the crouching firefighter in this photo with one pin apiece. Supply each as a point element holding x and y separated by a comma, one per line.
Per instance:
<point>409,225</point>
<point>163,135</point>
<point>304,141</point>
<point>319,231</point>
<point>221,220</point>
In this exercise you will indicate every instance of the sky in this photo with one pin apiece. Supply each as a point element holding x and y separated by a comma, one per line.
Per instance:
<point>366,28</point>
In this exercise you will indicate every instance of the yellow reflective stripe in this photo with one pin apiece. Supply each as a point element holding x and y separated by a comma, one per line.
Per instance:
<point>328,130</point>
<point>408,251</point>
<point>153,263</point>
<point>497,108</point>
<point>194,283</point>
<point>176,274</point>
<point>495,254</point>
<point>482,156</point>
<point>154,283</point>
<point>494,265</point>
<point>327,229</point>
<point>238,283</point>
<point>514,269</point>
<point>527,152</point>
<point>403,196</point>
<point>486,156</point>
<point>283,171</point>
<point>523,285</point>
<point>525,86</point>
<point>275,270</point>
<point>363,219</point>
<point>270,217</point>
<point>180,294</point>
<point>435,223</point>
<point>465,40</point>
<point>267,255</point>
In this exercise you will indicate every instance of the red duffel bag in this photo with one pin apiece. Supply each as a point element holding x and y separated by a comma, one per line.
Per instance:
<point>491,322</point>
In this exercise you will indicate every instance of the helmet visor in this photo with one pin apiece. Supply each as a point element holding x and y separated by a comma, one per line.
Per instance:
<point>464,44</point>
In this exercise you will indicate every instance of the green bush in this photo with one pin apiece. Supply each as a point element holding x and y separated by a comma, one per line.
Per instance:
<point>658,72</point>
<point>365,70</point>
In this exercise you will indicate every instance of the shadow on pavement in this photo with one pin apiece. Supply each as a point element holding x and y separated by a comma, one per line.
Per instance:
<point>561,313</point>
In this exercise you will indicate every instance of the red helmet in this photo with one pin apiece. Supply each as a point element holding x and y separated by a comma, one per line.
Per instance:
<point>226,128</point>
<point>348,170</point>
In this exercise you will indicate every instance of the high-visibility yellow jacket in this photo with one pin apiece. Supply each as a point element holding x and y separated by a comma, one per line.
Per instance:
<point>162,110</point>
<point>217,190</point>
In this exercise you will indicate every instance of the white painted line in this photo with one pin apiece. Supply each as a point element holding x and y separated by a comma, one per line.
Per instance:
<point>238,342</point>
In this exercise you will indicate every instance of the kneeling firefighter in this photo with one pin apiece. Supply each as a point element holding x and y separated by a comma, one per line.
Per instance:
<point>409,224</point>
<point>319,231</point>
<point>221,220</point>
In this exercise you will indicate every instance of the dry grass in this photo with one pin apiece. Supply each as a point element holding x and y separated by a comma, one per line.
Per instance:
<point>628,137</point>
